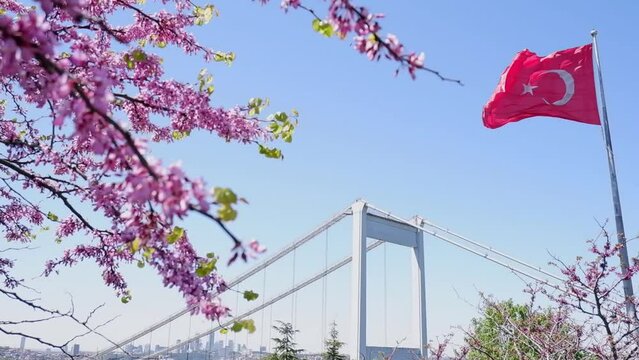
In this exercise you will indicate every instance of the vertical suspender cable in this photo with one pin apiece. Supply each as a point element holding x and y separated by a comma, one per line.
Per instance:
<point>324,289</point>
<point>188,345</point>
<point>263,310</point>
<point>385,300</point>
<point>247,340</point>
<point>270,329</point>
<point>168,342</point>
<point>293,297</point>
<point>211,337</point>
<point>150,341</point>
<point>226,345</point>
<point>237,312</point>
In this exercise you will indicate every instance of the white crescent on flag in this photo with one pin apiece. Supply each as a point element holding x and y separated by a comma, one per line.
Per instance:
<point>569,81</point>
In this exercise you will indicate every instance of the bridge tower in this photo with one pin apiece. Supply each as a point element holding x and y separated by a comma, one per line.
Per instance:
<point>371,223</point>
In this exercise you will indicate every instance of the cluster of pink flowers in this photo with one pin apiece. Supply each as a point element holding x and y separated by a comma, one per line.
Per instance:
<point>347,18</point>
<point>83,98</point>
<point>58,64</point>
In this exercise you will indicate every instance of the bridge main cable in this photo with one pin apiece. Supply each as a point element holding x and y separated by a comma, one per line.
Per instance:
<point>266,263</point>
<point>483,255</point>
<point>273,300</point>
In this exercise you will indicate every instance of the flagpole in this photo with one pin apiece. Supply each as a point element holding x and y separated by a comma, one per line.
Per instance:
<point>621,235</point>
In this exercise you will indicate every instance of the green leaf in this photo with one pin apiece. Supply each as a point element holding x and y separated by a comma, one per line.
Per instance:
<point>138,55</point>
<point>280,116</point>
<point>148,252</point>
<point>224,195</point>
<point>281,127</point>
<point>272,153</point>
<point>179,135</point>
<point>228,58</point>
<point>224,331</point>
<point>135,245</point>
<point>201,272</point>
<point>256,105</point>
<point>206,81</point>
<point>125,299</point>
<point>58,241</point>
<point>323,27</point>
<point>247,324</point>
<point>226,213</point>
<point>175,235</point>
<point>51,216</point>
<point>140,264</point>
<point>237,327</point>
<point>250,295</point>
<point>206,267</point>
<point>203,15</point>
<point>130,64</point>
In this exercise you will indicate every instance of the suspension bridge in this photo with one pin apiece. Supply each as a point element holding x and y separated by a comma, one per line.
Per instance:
<point>371,227</point>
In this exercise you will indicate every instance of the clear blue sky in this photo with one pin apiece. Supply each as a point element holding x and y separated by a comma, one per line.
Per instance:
<point>411,147</point>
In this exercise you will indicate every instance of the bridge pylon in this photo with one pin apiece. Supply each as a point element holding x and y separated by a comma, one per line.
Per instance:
<point>369,222</point>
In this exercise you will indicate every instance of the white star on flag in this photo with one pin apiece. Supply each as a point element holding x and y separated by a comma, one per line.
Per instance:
<point>528,89</point>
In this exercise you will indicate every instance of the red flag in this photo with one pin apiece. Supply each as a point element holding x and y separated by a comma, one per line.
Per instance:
<point>560,85</point>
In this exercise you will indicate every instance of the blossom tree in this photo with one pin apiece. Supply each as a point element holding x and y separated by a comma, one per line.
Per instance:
<point>584,317</point>
<point>83,99</point>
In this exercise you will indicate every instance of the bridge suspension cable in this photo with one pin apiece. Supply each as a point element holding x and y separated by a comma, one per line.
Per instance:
<point>483,255</point>
<point>504,260</point>
<point>273,300</point>
<point>266,263</point>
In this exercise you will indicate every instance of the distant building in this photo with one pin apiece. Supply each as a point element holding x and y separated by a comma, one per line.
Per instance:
<point>76,349</point>
<point>22,342</point>
<point>262,349</point>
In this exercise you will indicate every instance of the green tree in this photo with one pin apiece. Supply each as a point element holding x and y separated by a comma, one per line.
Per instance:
<point>332,345</point>
<point>507,330</point>
<point>285,345</point>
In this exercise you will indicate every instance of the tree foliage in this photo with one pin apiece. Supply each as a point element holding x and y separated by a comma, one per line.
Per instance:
<point>285,345</point>
<point>586,318</point>
<point>514,331</point>
<point>333,345</point>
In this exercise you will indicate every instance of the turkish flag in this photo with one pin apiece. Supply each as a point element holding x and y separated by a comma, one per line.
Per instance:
<point>561,85</point>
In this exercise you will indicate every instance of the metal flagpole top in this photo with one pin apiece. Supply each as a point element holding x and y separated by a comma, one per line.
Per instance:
<point>593,32</point>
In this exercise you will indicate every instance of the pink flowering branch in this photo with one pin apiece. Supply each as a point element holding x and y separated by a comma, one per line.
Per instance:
<point>78,87</point>
<point>83,98</point>
<point>346,18</point>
